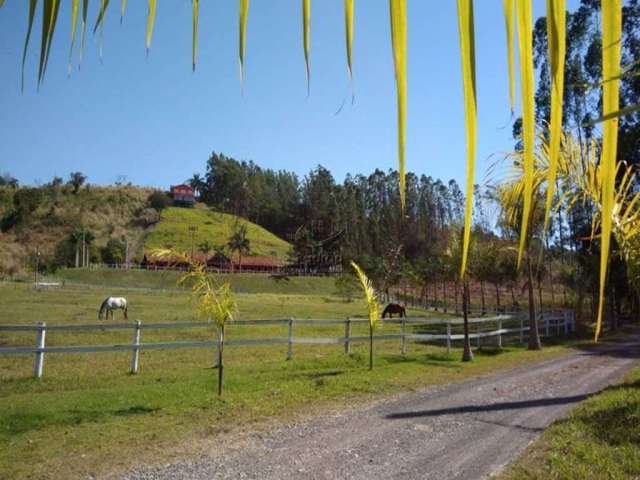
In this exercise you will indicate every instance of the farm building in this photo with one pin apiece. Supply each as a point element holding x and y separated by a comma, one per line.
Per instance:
<point>182,195</point>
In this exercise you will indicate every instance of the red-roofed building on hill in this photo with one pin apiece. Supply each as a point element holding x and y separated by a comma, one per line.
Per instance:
<point>182,195</point>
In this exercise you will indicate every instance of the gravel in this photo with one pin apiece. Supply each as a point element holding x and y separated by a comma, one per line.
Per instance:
<point>467,430</point>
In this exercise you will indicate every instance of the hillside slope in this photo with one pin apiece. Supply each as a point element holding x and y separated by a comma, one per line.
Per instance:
<point>212,227</point>
<point>42,219</point>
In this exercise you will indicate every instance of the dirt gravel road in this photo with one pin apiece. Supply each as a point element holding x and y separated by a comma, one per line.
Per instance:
<point>467,430</point>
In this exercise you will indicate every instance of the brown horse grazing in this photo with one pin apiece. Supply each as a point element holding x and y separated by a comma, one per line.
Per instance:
<point>394,308</point>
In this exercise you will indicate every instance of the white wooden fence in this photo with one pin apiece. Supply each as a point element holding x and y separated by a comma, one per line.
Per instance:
<point>550,323</point>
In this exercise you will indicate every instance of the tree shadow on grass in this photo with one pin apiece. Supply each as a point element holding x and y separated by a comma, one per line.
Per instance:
<point>440,359</point>
<point>135,410</point>
<point>615,421</point>
<point>19,423</point>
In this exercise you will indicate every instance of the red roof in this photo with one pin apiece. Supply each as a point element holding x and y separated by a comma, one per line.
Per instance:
<point>182,187</point>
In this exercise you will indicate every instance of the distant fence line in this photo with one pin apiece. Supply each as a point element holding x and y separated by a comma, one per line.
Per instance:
<point>291,270</point>
<point>553,322</point>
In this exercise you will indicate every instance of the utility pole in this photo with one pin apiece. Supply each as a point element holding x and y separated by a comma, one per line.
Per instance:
<point>126,253</point>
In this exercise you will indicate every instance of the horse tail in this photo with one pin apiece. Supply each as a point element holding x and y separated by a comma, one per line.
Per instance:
<point>403,311</point>
<point>385,311</point>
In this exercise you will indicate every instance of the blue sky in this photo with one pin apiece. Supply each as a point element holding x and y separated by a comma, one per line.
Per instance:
<point>155,122</point>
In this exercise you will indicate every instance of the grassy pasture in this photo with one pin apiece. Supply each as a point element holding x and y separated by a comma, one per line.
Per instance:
<point>240,282</point>
<point>87,415</point>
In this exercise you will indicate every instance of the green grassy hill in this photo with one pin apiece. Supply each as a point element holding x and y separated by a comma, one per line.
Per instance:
<point>213,227</point>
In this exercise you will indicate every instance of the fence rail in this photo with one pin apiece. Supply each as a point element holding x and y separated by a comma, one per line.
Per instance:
<point>551,322</point>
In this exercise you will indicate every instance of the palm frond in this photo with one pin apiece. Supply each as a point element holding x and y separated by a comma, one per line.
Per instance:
<point>151,21</point>
<point>398,15</point>
<point>509,7</point>
<point>611,54</point>
<point>195,4</point>
<point>306,38</point>
<point>242,35</point>
<point>32,11</point>
<point>556,26</point>
<point>49,20</point>
<point>348,29</point>
<point>467,54</point>
<point>75,9</point>
<point>373,307</point>
<point>525,47</point>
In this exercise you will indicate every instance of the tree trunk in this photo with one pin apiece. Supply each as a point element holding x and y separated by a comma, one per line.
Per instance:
<point>553,296</point>
<point>540,293</point>
<point>534,335</point>
<point>497,296</point>
<point>482,297</point>
<point>467,354</point>
<point>220,364</point>
<point>77,254</point>
<point>444,296</point>
<point>435,295</point>
<point>457,291</point>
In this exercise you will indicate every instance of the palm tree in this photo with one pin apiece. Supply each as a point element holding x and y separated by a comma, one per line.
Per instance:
<point>212,301</point>
<point>76,239</point>
<point>238,242</point>
<point>373,307</point>
<point>197,183</point>
<point>76,180</point>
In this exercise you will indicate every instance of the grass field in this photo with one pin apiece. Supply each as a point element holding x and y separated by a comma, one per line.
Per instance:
<point>600,439</point>
<point>87,415</point>
<point>240,282</point>
<point>213,227</point>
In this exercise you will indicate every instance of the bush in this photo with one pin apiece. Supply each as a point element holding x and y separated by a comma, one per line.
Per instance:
<point>27,200</point>
<point>159,200</point>
<point>113,252</point>
<point>147,217</point>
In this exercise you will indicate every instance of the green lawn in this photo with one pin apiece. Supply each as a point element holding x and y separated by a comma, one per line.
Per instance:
<point>213,227</point>
<point>240,282</point>
<point>87,415</point>
<point>600,439</point>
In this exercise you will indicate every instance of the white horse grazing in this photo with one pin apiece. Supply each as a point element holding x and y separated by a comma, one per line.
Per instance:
<point>110,304</point>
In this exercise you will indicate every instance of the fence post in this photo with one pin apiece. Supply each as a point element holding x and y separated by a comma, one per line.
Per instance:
<point>347,334</point>
<point>403,340</point>
<point>499,334</point>
<point>135,354</point>
<point>290,342</point>
<point>448,336</point>
<point>38,363</point>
